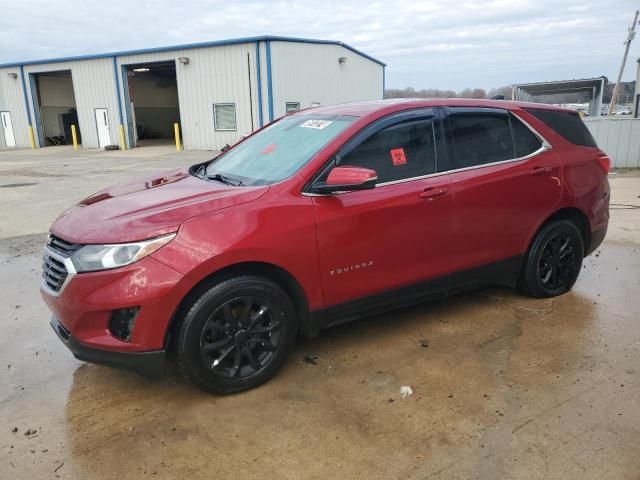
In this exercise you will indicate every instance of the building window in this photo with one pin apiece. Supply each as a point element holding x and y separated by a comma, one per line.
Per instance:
<point>224,117</point>
<point>315,104</point>
<point>292,107</point>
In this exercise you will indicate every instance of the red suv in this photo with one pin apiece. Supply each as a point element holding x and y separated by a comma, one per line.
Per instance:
<point>324,216</point>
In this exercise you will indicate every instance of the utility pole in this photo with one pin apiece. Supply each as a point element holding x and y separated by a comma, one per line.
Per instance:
<point>616,89</point>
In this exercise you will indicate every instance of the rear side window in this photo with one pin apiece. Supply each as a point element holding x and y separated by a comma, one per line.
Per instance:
<point>400,151</point>
<point>477,138</point>
<point>569,125</point>
<point>525,141</point>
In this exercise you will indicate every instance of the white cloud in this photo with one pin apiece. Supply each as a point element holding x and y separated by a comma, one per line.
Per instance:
<point>437,43</point>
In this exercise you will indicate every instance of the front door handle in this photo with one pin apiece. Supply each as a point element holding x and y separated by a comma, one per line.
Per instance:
<point>430,193</point>
<point>540,170</point>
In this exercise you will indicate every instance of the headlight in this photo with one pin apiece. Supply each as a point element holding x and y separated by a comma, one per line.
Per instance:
<point>101,257</point>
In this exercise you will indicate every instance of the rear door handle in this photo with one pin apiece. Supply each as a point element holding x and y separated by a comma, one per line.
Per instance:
<point>430,193</point>
<point>540,170</point>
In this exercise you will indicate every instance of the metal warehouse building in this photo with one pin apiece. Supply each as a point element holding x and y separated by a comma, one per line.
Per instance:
<point>216,91</point>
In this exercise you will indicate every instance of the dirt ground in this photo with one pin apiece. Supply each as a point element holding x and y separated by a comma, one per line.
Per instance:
<point>503,386</point>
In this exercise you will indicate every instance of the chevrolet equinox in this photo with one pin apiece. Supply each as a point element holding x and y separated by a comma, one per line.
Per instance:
<point>321,217</point>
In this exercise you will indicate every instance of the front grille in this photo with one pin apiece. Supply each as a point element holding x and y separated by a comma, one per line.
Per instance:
<point>62,246</point>
<point>56,257</point>
<point>64,333</point>
<point>54,272</point>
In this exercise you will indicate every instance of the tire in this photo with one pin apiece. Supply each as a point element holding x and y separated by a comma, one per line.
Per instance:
<point>236,335</point>
<point>553,262</point>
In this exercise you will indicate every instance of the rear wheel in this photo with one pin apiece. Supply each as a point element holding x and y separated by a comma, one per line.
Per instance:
<point>236,335</point>
<point>553,262</point>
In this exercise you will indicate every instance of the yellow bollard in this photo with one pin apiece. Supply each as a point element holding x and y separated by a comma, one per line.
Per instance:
<point>123,144</point>
<point>32,139</point>
<point>176,129</point>
<point>74,136</point>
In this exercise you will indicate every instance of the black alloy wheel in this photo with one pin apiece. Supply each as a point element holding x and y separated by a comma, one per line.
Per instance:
<point>553,262</point>
<point>240,337</point>
<point>557,261</point>
<point>236,335</point>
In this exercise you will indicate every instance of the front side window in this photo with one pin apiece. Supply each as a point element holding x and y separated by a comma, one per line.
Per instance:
<point>477,138</point>
<point>224,116</point>
<point>403,150</point>
<point>277,151</point>
<point>291,107</point>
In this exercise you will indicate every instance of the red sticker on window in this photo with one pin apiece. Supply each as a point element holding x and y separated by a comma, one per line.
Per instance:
<point>397,156</point>
<point>268,149</point>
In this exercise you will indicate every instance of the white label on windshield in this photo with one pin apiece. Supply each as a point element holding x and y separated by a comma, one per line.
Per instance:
<point>317,124</point>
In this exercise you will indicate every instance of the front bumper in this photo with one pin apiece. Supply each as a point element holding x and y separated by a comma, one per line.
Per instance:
<point>148,364</point>
<point>88,302</point>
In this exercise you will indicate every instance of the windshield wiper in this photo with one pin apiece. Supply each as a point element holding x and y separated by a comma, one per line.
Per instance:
<point>218,177</point>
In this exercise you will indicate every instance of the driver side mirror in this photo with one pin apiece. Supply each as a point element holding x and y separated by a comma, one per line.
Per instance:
<point>342,179</point>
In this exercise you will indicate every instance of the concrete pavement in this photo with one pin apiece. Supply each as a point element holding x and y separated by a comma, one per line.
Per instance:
<point>504,386</point>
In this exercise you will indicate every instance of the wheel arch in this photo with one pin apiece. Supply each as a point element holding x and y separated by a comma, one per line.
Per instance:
<point>267,270</point>
<point>572,214</point>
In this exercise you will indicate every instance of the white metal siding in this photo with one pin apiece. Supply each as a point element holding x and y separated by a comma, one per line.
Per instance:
<point>301,72</point>
<point>619,138</point>
<point>309,73</point>
<point>94,87</point>
<point>213,75</point>
<point>2,108</point>
<point>12,100</point>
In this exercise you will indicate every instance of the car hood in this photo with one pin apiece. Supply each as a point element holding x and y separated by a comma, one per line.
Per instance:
<point>147,208</point>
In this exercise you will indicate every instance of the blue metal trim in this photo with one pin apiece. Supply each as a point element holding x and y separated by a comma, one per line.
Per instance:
<point>127,104</point>
<point>37,119</point>
<point>24,92</point>
<point>259,82</point>
<point>216,43</point>
<point>115,78</point>
<point>269,83</point>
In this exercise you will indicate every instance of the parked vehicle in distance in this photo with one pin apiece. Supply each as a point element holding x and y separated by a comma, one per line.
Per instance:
<point>324,216</point>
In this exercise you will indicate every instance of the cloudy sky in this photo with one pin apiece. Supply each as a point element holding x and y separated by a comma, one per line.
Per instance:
<point>444,44</point>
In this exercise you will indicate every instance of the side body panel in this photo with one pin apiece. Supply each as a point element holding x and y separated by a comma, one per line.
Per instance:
<point>497,207</point>
<point>376,240</point>
<point>585,183</point>
<point>278,230</point>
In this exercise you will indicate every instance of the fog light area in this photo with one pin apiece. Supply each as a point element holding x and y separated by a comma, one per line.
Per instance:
<point>122,321</point>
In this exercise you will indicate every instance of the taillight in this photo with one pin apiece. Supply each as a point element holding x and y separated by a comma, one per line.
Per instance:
<point>605,162</point>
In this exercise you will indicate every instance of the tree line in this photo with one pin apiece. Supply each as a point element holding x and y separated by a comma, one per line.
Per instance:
<point>627,90</point>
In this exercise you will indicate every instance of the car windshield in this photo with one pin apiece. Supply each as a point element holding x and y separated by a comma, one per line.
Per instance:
<point>278,151</point>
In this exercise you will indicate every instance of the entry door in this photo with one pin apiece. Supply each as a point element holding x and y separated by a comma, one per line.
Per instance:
<point>7,129</point>
<point>505,181</point>
<point>397,234</point>
<point>102,122</point>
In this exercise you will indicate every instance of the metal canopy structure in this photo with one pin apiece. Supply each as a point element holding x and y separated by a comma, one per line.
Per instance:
<point>528,92</point>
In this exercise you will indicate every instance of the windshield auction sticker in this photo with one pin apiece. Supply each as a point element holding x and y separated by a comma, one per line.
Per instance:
<point>317,124</point>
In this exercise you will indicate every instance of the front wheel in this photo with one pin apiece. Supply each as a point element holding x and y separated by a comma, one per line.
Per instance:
<point>236,335</point>
<point>553,262</point>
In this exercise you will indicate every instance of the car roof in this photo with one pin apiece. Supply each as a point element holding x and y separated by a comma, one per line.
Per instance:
<point>362,109</point>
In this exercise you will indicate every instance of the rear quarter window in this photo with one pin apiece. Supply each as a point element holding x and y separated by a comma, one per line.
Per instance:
<point>525,141</point>
<point>568,125</point>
